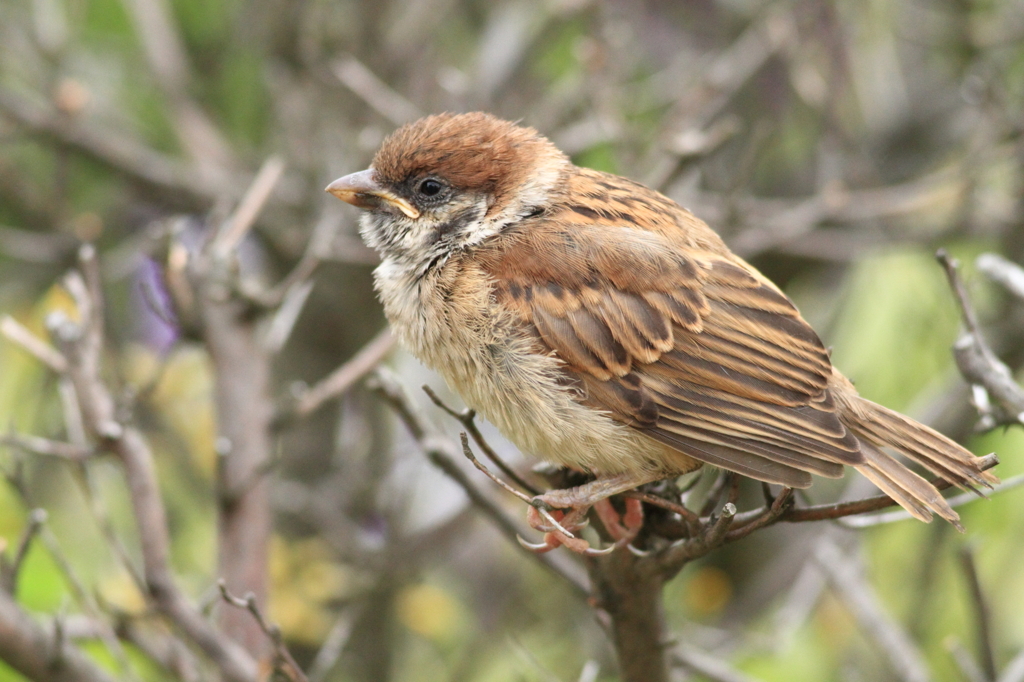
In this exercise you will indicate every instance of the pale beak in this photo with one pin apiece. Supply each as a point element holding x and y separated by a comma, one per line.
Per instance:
<point>360,189</point>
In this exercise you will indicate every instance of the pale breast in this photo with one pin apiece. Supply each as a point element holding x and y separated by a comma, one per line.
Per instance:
<point>449,321</point>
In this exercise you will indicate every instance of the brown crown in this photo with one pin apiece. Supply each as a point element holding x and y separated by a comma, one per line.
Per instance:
<point>473,152</point>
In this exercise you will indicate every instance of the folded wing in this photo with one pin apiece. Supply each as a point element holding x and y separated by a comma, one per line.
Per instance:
<point>687,345</point>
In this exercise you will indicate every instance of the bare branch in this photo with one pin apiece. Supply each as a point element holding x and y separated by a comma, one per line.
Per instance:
<point>964,661</point>
<point>1004,271</point>
<point>712,534</point>
<point>39,653</point>
<point>1014,670</point>
<point>42,351</point>
<point>116,150</point>
<point>74,582</point>
<point>690,517</point>
<point>165,52</point>
<point>468,420</point>
<point>706,665</point>
<point>770,514</point>
<point>375,92</point>
<point>286,662</point>
<point>165,650</point>
<point>330,650</point>
<point>983,613</point>
<point>978,363</point>
<point>440,452</point>
<point>843,572</point>
<point>44,446</point>
<point>340,380</point>
<point>9,570</point>
<point>841,509</point>
<point>283,321</point>
<point>131,448</point>
<point>234,229</point>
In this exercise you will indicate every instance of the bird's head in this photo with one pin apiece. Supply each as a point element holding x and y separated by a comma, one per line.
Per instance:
<point>449,181</point>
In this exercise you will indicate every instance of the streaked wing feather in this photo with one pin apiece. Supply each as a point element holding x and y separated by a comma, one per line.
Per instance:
<point>681,342</point>
<point>740,461</point>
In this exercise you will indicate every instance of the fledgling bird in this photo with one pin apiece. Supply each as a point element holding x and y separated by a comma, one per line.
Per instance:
<point>601,326</point>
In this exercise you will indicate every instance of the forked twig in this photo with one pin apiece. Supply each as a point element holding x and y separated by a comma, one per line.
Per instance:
<point>440,452</point>
<point>248,602</point>
<point>978,363</point>
<point>542,508</point>
<point>467,418</point>
<point>9,570</point>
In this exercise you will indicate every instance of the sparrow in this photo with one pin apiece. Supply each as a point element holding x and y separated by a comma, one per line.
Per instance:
<point>603,327</point>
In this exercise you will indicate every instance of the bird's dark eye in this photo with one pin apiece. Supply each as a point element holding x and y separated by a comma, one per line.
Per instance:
<point>430,187</point>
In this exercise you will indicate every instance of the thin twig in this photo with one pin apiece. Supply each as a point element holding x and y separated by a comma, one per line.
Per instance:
<point>954,502</point>
<point>467,418</point>
<point>375,92</point>
<point>77,342</point>
<point>976,360</point>
<point>272,631</point>
<point>164,649</point>
<point>440,452</point>
<point>10,570</point>
<point>712,534</point>
<point>116,150</point>
<point>706,665</point>
<point>78,590</point>
<point>330,650</point>
<point>30,647</point>
<point>38,445</point>
<point>964,661</point>
<point>339,381</point>
<point>714,494</point>
<point>771,514</point>
<point>1014,670</point>
<point>983,613</point>
<point>1004,271</point>
<point>234,229</point>
<point>168,61</point>
<point>843,572</point>
<point>689,516</point>
<point>42,351</point>
<point>287,314</point>
<point>840,509</point>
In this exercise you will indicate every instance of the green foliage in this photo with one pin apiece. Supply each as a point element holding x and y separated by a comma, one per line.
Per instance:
<point>240,96</point>
<point>896,326</point>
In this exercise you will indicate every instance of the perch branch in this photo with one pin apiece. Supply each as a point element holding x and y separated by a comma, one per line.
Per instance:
<point>440,452</point>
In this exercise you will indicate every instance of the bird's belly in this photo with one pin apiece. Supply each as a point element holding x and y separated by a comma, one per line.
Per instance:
<point>497,370</point>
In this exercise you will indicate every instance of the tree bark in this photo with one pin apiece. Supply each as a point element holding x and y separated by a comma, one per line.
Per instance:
<point>39,653</point>
<point>241,369</point>
<point>630,593</point>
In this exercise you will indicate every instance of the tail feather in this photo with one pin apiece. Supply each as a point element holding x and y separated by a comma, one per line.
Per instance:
<point>913,493</point>
<point>879,427</point>
<point>925,446</point>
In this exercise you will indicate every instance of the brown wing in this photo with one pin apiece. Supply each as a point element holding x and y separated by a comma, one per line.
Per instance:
<point>677,339</point>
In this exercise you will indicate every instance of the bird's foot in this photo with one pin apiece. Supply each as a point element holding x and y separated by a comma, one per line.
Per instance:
<point>559,527</point>
<point>625,527</point>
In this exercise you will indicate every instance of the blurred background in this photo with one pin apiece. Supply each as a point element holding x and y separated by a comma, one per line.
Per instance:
<point>834,144</point>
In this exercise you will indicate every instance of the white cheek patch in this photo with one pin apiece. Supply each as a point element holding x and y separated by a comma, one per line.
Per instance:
<point>533,193</point>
